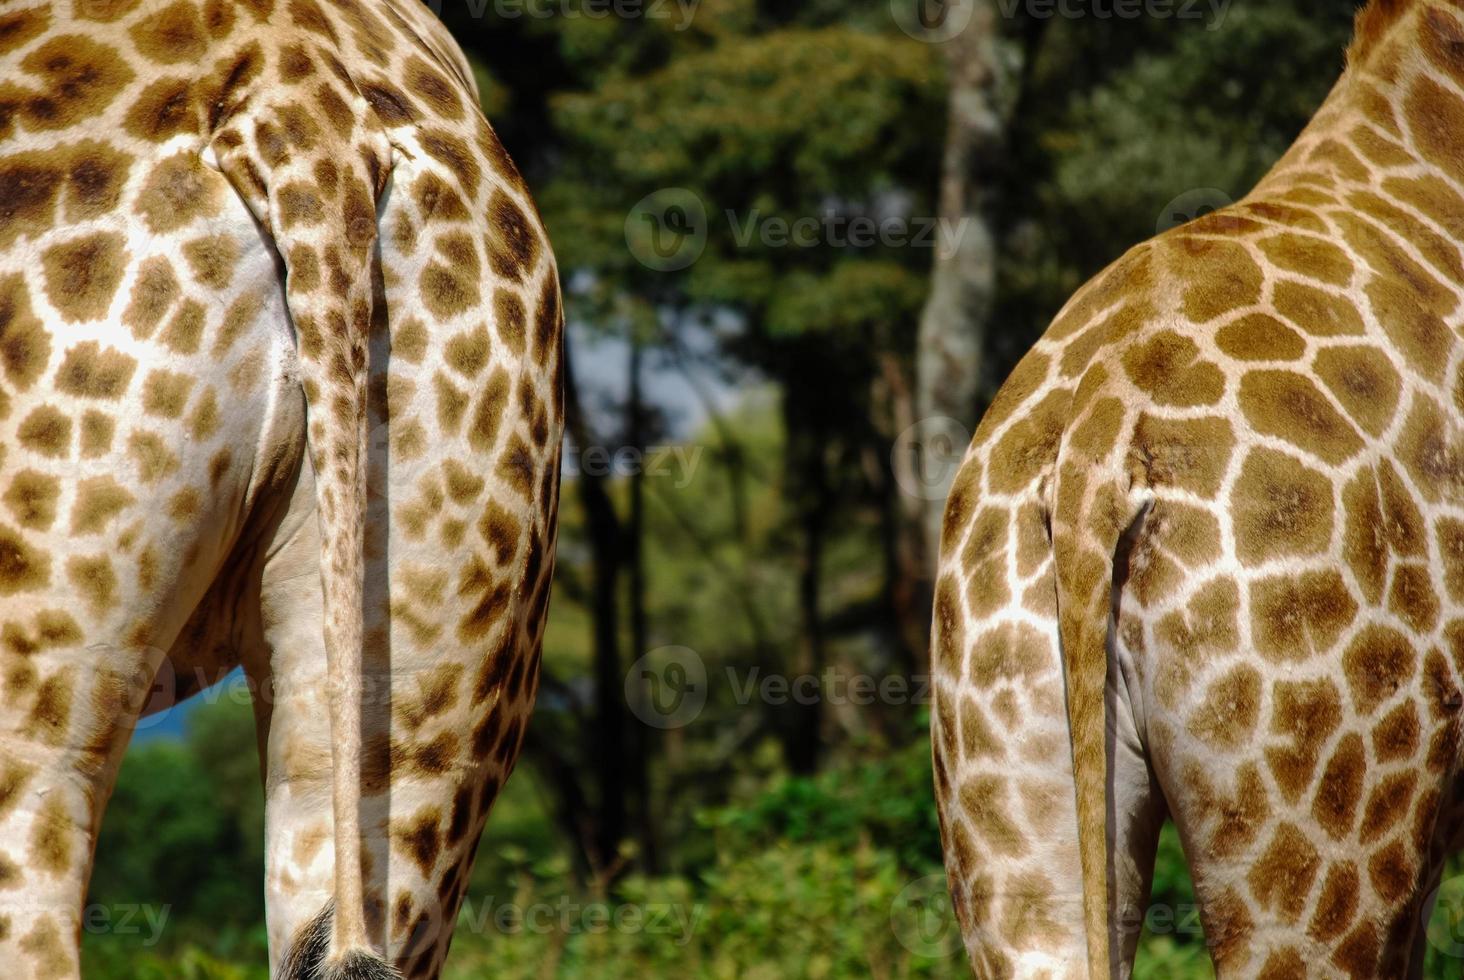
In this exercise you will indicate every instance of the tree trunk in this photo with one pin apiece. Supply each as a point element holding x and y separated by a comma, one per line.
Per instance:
<point>986,72</point>
<point>607,747</point>
<point>906,578</point>
<point>807,443</point>
<point>638,760</point>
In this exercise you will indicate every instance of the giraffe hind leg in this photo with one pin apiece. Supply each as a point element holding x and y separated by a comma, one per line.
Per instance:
<point>1003,763</point>
<point>1311,801</point>
<point>1003,757</point>
<point>70,695</point>
<point>77,676</point>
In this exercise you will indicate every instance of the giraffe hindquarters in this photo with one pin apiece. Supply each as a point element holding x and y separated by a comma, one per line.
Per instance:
<point>79,675</point>
<point>80,650</point>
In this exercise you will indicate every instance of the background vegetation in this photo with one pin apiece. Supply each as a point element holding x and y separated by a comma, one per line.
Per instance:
<point>760,839</point>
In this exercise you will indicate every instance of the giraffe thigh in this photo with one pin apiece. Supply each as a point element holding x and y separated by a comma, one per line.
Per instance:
<point>1308,759</point>
<point>442,723</point>
<point>1002,754</point>
<point>95,594</point>
<point>73,680</point>
<point>67,707</point>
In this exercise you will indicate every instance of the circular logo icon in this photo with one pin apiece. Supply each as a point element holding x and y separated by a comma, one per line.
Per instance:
<point>667,688</point>
<point>927,456</point>
<point>1445,927</point>
<point>667,231</point>
<point>139,694</point>
<point>1191,205</point>
<point>923,919</point>
<point>933,21</point>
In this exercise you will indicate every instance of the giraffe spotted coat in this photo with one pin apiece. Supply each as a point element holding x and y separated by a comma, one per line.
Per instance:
<point>1205,560</point>
<point>279,388</point>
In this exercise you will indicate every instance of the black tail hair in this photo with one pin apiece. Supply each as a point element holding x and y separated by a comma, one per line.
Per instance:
<point>359,964</point>
<point>307,956</point>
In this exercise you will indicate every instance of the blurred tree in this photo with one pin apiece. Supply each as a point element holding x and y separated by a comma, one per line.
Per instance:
<point>184,835</point>
<point>988,71</point>
<point>767,130</point>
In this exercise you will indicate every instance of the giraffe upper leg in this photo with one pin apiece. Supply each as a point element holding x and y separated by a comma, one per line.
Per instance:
<point>1305,755</point>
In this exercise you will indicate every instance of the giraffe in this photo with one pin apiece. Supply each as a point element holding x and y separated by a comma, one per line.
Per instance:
<point>1204,561</point>
<point>280,389</point>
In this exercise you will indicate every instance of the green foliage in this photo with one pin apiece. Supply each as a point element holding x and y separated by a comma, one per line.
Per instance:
<point>1173,944</point>
<point>106,960</point>
<point>856,304</point>
<point>790,911</point>
<point>775,126</point>
<point>182,846</point>
<point>1123,118</point>
<point>885,801</point>
<point>810,878</point>
<point>1196,115</point>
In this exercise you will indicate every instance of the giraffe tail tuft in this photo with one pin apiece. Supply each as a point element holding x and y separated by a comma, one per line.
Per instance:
<point>358,964</point>
<point>308,957</point>
<point>302,961</point>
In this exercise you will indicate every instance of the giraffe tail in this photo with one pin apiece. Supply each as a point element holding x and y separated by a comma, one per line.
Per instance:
<point>332,279</point>
<point>1098,514</point>
<point>333,331</point>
